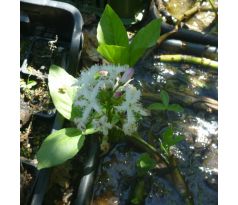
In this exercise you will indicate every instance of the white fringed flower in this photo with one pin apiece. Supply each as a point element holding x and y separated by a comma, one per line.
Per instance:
<point>131,107</point>
<point>98,107</point>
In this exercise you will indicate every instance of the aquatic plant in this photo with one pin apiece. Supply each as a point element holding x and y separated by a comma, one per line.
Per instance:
<point>100,100</point>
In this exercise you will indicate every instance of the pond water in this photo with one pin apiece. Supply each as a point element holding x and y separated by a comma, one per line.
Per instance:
<point>197,155</point>
<point>199,21</point>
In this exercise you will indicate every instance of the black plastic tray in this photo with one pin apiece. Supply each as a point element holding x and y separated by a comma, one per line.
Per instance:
<point>42,21</point>
<point>46,18</point>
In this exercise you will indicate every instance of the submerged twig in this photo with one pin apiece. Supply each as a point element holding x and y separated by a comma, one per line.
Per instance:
<point>191,12</point>
<point>185,98</point>
<point>189,59</point>
<point>187,15</point>
<point>138,194</point>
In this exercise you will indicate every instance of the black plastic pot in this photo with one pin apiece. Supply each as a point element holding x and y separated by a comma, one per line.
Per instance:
<point>30,168</point>
<point>46,18</point>
<point>40,185</point>
<point>84,193</point>
<point>41,21</point>
<point>85,188</point>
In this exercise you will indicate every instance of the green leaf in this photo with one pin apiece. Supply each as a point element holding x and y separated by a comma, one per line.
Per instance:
<point>157,106</point>
<point>167,136</point>
<point>175,108</point>
<point>164,97</point>
<point>145,163</point>
<point>30,84</point>
<point>59,147</point>
<point>169,139</point>
<point>178,139</point>
<point>110,29</point>
<point>114,54</point>
<point>165,150</point>
<point>144,39</point>
<point>62,90</point>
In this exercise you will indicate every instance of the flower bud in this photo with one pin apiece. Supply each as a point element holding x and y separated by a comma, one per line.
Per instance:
<point>103,72</point>
<point>127,75</point>
<point>100,74</point>
<point>118,94</point>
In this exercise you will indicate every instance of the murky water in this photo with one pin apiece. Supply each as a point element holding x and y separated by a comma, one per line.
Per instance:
<point>199,21</point>
<point>197,155</point>
<point>178,7</point>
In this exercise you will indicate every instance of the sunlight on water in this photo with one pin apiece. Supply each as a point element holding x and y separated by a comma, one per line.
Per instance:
<point>204,130</point>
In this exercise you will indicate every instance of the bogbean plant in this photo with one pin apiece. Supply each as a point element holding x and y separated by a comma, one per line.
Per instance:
<point>102,100</point>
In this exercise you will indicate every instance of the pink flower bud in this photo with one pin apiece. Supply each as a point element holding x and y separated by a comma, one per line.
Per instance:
<point>103,72</point>
<point>127,75</point>
<point>118,94</point>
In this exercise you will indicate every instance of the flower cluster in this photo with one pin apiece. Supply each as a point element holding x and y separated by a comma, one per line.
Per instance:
<point>107,100</point>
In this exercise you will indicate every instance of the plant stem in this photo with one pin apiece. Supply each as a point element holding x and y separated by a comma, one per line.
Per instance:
<point>189,59</point>
<point>179,181</point>
<point>215,9</point>
<point>192,99</point>
<point>152,96</point>
<point>138,194</point>
<point>138,141</point>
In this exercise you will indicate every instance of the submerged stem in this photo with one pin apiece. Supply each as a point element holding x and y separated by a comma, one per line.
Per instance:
<point>179,180</point>
<point>189,59</point>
